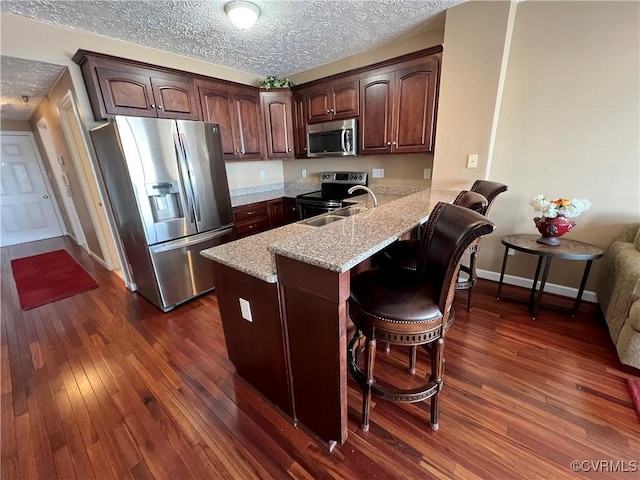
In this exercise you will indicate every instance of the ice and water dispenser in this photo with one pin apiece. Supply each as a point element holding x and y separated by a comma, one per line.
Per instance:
<point>164,199</point>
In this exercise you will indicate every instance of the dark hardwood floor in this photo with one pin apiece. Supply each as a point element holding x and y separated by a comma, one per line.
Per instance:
<point>103,385</point>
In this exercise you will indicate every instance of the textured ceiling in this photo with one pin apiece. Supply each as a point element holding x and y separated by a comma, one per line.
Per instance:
<point>24,77</point>
<point>290,36</point>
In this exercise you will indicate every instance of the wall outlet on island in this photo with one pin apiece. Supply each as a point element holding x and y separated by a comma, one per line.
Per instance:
<point>245,310</point>
<point>263,175</point>
<point>304,173</point>
<point>377,173</point>
<point>427,173</point>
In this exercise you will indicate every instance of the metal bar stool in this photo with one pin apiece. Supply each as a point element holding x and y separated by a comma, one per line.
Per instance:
<point>412,307</point>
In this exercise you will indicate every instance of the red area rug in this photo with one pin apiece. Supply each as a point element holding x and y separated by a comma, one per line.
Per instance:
<point>634,388</point>
<point>45,278</point>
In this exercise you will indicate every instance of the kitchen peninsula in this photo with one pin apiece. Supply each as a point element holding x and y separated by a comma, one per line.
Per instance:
<point>282,296</point>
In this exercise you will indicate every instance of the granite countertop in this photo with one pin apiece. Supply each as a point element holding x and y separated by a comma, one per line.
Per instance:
<point>251,255</point>
<point>338,246</point>
<point>342,245</point>
<point>287,191</point>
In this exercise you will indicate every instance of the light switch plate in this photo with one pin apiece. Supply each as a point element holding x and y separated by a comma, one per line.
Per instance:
<point>472,161</point>
<point>263,175</point>
<point>304,173</point>
<point>377,173</point>
<point>245,309</point>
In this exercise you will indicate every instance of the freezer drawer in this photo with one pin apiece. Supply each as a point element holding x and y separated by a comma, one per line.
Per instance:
<point>181,271</point>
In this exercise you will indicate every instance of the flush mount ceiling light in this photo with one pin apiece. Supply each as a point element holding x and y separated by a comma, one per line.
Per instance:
<point>242,14</point>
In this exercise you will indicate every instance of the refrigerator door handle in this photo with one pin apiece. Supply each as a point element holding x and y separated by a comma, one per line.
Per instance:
<point>192,179</point>
<point>188,193</point>
<point>184,242</point>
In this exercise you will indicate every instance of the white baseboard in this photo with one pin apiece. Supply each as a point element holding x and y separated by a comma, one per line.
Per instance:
<point>587,296</point>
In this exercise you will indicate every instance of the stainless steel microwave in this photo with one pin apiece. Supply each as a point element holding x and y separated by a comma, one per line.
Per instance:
<point>332,139</point>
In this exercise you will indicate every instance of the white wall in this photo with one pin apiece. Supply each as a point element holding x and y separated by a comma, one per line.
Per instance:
<point>569,118</point>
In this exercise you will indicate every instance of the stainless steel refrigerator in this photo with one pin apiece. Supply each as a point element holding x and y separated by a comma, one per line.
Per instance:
<point>167,185</point>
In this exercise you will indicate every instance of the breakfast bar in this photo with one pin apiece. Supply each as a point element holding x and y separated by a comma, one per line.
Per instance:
<point>282,297</point>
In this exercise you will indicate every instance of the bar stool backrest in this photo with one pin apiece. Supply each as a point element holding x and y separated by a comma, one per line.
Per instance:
<point>449,231</point>
<point>488,189</point>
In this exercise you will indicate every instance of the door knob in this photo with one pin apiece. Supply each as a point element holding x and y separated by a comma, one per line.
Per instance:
<point>45,196</point>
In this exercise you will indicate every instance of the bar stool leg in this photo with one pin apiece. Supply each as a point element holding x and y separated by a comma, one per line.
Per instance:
<point>412,359</point>
<point>370,357</point>
<point>437,372</point>
<point>472,277</point>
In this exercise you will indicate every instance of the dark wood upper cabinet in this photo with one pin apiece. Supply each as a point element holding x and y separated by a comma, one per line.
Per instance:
<point>414,108</point>
<point>237,111</point>
<point>120,87</point>
<point>398,108</point>
<point>299,125</point>
<point>278,123</point>
<point>332,100</point>
<point>375,128</point>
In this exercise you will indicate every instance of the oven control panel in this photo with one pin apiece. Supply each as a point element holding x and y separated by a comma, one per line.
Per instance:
<point>351,178</point>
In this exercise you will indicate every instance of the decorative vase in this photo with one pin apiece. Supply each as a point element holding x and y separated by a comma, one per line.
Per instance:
<point>552,228</point>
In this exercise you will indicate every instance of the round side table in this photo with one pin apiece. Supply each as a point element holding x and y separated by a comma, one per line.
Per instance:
<point>568,250</point>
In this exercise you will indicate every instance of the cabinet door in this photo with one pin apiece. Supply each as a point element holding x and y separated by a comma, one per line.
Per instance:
<point>276,213</point>
<point>291,214</point>
<point>299,125</point>
<point>125,93</point>
<point>247,106</point>
<point>175,98</point>
<point>414,108</point>
<point>376,97</point>
<point>345,99</point>
<point>218,107</point>
<point>318,106</point>
<point>276,109</point>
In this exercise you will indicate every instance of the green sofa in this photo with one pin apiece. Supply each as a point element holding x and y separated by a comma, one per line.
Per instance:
<point>618,291</point>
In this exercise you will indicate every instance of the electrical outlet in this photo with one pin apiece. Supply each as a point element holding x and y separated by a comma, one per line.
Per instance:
<point>304,173</point>
<point>263,175</point>
<point>377,173</point>
<point>472,161</point>
<point>511,251</point>
<point>427,173</point>
<point>245,310</point>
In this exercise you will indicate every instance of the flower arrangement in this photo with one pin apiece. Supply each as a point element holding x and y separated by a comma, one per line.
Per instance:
<point>275,82</point>
<point>562,206</point>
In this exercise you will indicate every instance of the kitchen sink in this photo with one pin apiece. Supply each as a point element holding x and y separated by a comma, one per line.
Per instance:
<point>324,220</point>
<point>349,211</point>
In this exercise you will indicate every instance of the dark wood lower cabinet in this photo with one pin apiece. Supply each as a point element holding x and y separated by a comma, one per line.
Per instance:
<point>314,309</point>
<point>256,347</point>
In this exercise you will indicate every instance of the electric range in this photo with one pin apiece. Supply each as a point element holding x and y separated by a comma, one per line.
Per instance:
<point>333,191</point>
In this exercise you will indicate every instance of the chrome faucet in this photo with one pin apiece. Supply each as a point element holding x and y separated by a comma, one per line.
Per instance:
<point>366,189</point>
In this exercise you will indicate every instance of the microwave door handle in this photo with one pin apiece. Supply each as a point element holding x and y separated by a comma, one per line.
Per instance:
<point>192,179</point>
<point>343,139</point>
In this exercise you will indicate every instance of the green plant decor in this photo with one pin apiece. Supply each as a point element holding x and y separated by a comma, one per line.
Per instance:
<point>275,82</point>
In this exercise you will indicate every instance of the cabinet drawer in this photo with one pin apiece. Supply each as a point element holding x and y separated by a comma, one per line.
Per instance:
<point>249,228</point>
<point>247,212</point>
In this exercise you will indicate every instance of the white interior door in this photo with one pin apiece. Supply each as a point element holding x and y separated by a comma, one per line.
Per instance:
<point>27,212</point>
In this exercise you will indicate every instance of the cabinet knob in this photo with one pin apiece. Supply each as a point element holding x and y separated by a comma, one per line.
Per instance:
<point>159,107</point>
<point>288,150</point>
<point>333,111</point>
<point>388,144</point>
<point>152,106</point>
<point>305,149</point>
<point>242,152</point>
<point>328,111</point>
<point>393,143</point>
<point>237,151</point>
